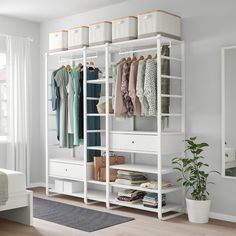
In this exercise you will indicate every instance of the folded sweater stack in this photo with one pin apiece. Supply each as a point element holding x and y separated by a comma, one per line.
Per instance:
<point>130,196</point>
<point>151,200</point>
<point>130,178</point>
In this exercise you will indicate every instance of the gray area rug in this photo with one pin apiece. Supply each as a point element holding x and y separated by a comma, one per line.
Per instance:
<point>75,217</point>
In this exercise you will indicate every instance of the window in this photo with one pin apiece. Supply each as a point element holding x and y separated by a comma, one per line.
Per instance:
<point>3,98</point>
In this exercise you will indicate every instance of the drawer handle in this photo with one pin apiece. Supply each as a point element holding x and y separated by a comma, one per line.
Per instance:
<point>65,169</point>
<point>132,141</point>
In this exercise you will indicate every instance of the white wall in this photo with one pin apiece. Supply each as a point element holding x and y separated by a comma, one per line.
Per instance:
<point>24,28</point>
<point>207,26</point>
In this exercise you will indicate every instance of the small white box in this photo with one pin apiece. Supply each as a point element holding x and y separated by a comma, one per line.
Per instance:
<point>100,33</point>
<point>73,186</point>
<point>124,28</point>
<point>78,37</point>
<point>59,186</point>
<point>58,41</point>
<point>159,22</point>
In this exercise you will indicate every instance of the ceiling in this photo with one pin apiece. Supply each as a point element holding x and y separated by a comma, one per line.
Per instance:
<point>43,10</point>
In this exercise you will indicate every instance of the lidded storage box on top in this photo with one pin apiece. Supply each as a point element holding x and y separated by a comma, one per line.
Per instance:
<point>125,28</point>
<point>159,22</point>
<point>58,41</point>
<point>78,37</point>
<point>100,33</point>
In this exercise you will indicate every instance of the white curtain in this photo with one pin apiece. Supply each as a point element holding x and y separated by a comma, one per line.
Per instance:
<point>18,75</point>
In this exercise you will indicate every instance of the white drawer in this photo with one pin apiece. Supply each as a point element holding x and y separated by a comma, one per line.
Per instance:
<point>78,37</point>
<point>159,22</point>
<point>58,41</point>
<point>133,142</point>
<point>170,144</point>
<point>100,33</point>
<point>69,170</point>
<point>124,29</point>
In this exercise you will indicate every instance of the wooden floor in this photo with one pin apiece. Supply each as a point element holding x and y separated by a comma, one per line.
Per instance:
<point>145,224</point>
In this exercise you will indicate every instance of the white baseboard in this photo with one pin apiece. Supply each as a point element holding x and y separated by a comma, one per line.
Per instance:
<point>224,217</point>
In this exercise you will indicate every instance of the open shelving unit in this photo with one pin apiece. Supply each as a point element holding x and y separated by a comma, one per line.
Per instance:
<point>167,142</point>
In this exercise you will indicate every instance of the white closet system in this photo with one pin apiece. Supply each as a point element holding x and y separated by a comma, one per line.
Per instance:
<point>157,144</point>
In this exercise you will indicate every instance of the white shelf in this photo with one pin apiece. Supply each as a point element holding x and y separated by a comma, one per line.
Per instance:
<point>142,168</point>
<point>99,81</point>
<point>97,148</point>
<point>139,205</point>
<point>97,182</point>
<point>132,151</point>
<point>96,131</point>
<point>81,194</point>
<point>172,77</point>
<point>164,190</point>
<point>171,96</point>
<point>96,195</point>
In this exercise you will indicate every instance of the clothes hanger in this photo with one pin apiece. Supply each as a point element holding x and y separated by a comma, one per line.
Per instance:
<point>68,68</point>
<point>155,57</point>
<point>134,59</point>
<point>128,60</point>
<point>141,58</point>
<point>148,57</point>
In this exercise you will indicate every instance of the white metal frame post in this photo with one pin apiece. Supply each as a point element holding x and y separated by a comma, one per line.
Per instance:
<point>46,123</point>
<point>85,123</point>
<point>183,103</point>
<point>107,126</point>
<point>159,162</point>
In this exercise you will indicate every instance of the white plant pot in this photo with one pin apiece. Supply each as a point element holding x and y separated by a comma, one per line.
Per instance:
<point>198,211</point>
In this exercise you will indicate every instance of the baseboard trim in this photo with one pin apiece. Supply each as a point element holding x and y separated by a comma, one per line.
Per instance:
<point>224,217</point>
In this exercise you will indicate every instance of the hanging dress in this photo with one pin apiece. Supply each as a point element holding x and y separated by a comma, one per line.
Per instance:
<point>62,81</point>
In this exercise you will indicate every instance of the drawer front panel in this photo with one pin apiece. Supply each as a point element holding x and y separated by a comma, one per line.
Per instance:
<point>133,142</point>
<point>65,170</point>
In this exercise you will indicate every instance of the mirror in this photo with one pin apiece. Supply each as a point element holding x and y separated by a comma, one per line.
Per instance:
<point>228,58</point>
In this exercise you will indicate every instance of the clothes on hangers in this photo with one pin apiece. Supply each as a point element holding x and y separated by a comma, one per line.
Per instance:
<point>55,96</point>
<point>120,108</point>
<point>68,101</point>
<point>125,89</point>
<point>132,88</point>
<point>150,86</point>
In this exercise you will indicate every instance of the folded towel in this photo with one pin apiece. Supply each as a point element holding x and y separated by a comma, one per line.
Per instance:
<point>3,188</point>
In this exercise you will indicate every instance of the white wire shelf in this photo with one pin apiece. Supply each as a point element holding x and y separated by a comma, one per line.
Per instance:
<point>152,169</point>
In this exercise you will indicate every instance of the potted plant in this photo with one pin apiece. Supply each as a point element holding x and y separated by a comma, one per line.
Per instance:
<point>195,178</point>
